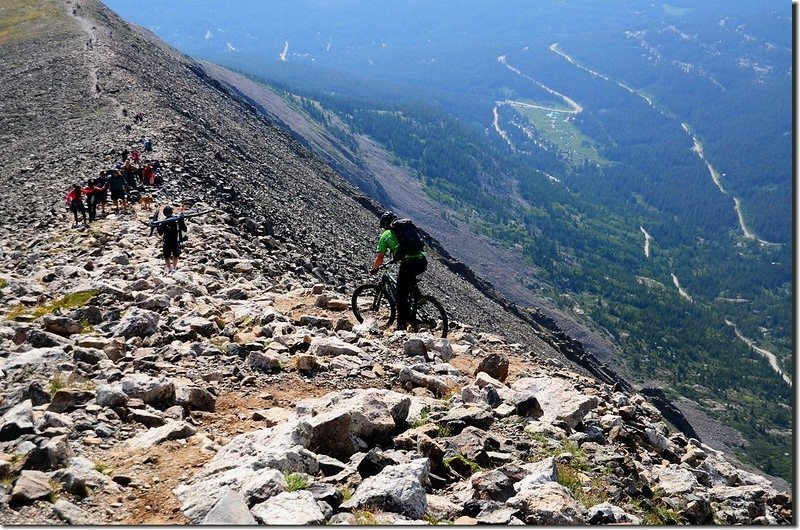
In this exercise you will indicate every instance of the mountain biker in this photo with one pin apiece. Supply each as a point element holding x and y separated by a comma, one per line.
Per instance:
<point>411,265</point>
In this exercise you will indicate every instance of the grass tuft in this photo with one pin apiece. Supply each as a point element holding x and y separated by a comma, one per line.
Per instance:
<point>295,481</point>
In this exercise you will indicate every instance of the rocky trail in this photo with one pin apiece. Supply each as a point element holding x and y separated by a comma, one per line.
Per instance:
<point>213,395</point>
<point>239,389</point>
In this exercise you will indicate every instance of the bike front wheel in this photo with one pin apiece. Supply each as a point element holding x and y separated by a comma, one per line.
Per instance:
<point>372,301</point>
<point>431,317</point>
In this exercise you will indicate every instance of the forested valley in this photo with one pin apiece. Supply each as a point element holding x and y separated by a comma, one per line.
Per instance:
<point>583,234</point>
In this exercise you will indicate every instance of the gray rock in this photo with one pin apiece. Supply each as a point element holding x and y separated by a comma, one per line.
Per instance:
<point>492,485</point>
<point>195,398</point>
<point>137,323</point>
<point>52,454</point>
<point>89,355</point>
<point>547,504</point>
<point>440,386</point>
<point>607,513</point>
<point>199,325</point>
<point>526,405</point>
<point>676,480</point>
<point>290,508</point>
<point>373,412</point>
<point>264,362</point>
<point>147,418</point>
<point>148,389</point>
<point>494,364</point>
<point>68,399</point>
<point>538,473</point>
<point>441,508</point>
<point>559,399</point>
<point>31,486</point>
<point>110,396</point>
<point>469,416</point>
<point>17,421</point>
<point>80,473</point>
<point>283,447</point>
<point>230,509</point>
<point>61,325</point>
<point>398,489</point>
<point>316,322</point>
<point>32,358</point>
<point>54,420</point>
<point>262,485</point>
<point>415,347</point>
<point>331,433</point>
<point>155,302</point>
<point>473,444</point>
<point>72,514</point>
<point>496,514</point>
<point>331,347</point>
<point>44,339</point>
<point>442,347</point>
<point>171,431</point>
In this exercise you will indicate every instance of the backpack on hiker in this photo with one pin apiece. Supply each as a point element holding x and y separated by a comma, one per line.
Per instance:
<point>408,236</point>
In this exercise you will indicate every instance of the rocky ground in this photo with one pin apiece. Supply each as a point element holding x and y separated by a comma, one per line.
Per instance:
<point>240,389</point>
<point>229,392</point>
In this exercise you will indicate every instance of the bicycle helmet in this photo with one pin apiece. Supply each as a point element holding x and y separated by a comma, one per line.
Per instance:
<point>386,219</point>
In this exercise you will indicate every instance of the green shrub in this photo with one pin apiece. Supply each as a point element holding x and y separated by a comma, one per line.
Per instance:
<point>295,481</point>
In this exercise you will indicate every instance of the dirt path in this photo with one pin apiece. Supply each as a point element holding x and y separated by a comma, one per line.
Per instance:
<point>647,238</point>
<point>771,357</point>
<point>680,289</point>
<point>576,108</point>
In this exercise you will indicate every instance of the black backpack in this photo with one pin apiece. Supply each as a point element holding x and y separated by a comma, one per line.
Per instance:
<point>408,236</point>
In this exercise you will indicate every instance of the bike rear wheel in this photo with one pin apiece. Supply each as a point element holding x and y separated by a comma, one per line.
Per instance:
<point>372,301</point>
<point>431,316</point>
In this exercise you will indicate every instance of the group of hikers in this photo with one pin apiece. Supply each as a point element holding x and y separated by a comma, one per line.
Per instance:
<point>399,237</point>
<point>119,183</point>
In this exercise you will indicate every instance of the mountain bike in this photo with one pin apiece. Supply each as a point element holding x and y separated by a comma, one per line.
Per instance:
<point>379,301</point>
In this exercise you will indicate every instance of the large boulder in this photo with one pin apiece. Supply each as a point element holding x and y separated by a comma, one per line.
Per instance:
<point>331,347</point>
<point>290,508</point>
<point>238,464</point>
<point>494,364</point>
<point>558,398</point>
<point>399,489</point>
<point>17,421</point>
<point>32,358</point>
<point>61,325</point>
<point>151,390</point>
<point>373,412</point>
<point>548,504</point>
<point>230,510</point>
<point>31,486</point>
<point>173,430</point>
<point>137,323</point>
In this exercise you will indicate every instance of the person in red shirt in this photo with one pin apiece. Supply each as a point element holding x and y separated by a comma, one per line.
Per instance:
<point>75,203</point>
<point>92,196</point>
<point>148,175</point>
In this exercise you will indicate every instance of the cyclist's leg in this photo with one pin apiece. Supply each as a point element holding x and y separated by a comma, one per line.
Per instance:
<point>406,282</point>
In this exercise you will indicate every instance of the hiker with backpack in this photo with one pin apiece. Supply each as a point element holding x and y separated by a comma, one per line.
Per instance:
<point>75,203</point>
<point>116,185</point>
<point>91,199</point>
<point>402,239</point>
<point>172,230</point>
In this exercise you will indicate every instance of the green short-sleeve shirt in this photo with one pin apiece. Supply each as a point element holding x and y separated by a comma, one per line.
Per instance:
<point>388,241</point>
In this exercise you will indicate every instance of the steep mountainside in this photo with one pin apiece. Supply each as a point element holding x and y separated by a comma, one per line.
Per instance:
<point>240,389</point>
